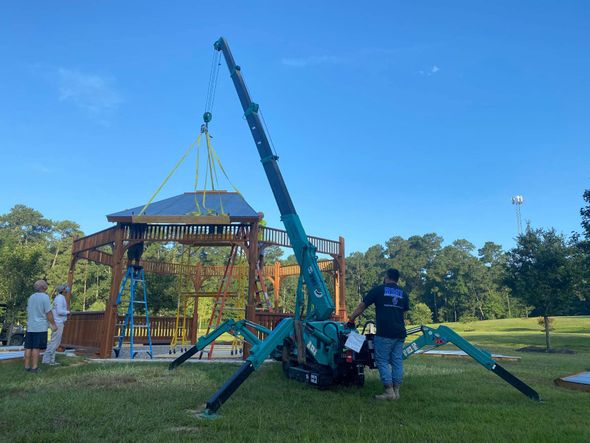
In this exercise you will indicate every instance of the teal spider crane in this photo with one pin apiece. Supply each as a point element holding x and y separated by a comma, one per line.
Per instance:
<point>310,345</point>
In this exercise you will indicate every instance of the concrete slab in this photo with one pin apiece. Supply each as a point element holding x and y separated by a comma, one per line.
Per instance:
<point>579,381</point>
<point>462,354</point>
<point>163,351</point>
<point>11,355</point>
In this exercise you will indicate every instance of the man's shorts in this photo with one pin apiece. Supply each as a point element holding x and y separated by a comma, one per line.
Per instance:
<point>36,340</point>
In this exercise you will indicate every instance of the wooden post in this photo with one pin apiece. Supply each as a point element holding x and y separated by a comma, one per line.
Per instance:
<point>71,271</point>
<point>110,315</point>
<point>197,282</point>
<point>277,283</point>
<point>252,261</point>
<point>336,288</point>
<point>342,281</point>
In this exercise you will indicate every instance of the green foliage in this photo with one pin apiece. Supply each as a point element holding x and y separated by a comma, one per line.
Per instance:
<point>20,266</point>
<point>32,247</point>
<point>25,224</point>
<point>550,323</point>
<point>585,213</point>
<point>540,272</point>
<point>443,399</point>
<point>420,314</point>
<point>450,280</point>
<point>468,318</point>
<point>455,281</point>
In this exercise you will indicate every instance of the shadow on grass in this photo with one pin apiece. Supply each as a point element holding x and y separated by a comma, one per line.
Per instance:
<point>558,340</point>
<point>575,331</point>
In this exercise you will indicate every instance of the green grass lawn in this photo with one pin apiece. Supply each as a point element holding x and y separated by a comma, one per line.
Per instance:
<point>442,399</point>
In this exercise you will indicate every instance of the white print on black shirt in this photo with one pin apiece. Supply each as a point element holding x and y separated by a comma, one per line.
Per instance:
<point>396,295</point>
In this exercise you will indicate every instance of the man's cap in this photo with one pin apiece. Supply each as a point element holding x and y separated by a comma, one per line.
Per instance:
<point>61,288</point>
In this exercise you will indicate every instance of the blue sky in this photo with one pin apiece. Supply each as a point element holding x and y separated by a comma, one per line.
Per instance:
<point>394,118</point>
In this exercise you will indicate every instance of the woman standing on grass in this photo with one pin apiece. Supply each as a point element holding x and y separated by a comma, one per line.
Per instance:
<point>60,314</point>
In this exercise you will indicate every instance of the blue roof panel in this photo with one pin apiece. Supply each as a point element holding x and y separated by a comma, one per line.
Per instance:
<point>233,205</point>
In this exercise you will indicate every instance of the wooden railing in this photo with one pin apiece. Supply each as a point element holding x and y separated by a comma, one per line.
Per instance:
<point>281,238</point>
<point>96,256</point>
<point>167,268</point>
<point>82,331</point>
<point>164,233</point>
<point>270,319</point>
<point>162,329</point>
<point>186,233</point>
<point>94,241</point>
<point>324,265</point>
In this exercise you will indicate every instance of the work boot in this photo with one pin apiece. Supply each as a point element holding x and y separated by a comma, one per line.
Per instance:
<point>396,391</point>
<point>388,394</point>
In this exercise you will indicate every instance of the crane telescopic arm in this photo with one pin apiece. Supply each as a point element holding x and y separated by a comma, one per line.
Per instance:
<point>320,303</point>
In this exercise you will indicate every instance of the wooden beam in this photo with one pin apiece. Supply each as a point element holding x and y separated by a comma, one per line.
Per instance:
<point>277,283</point>
<point>110,317</point>
<point>183,219</point>
<point>341,272</point>
<point>93,241</point>
<point>253,255</point>
<point>197,283</point>
<point>200,294</point>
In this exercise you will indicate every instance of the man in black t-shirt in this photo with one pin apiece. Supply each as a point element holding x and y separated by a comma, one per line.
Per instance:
<point>390,304</point>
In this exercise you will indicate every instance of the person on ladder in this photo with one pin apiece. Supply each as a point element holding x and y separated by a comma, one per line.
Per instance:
<point>261,245</point>
<point>136,278</point>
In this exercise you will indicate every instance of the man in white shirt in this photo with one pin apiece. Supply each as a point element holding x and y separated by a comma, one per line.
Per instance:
<point>60,314</point>
<point>39,317</point>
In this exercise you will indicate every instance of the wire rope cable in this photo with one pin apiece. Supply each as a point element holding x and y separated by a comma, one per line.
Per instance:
<point>268,132</point>
<point>212,161</point>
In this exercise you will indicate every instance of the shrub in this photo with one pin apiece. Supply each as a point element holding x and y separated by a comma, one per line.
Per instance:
<point>468,318</point>
<point>420,314</point>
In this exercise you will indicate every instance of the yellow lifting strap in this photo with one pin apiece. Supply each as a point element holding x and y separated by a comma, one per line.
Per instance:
<point>213,160</point>
<point>196,142</point>
<point>211,172</point>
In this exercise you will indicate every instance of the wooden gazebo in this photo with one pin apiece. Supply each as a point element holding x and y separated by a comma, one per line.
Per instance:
<point>174,220</point>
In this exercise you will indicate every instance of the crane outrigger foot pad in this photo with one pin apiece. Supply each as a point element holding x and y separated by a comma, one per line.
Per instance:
<point>229,387</point>
<point>516,382</point>
<point>208,415</point>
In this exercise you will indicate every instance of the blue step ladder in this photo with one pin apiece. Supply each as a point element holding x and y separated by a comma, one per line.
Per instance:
<point>136,277</point>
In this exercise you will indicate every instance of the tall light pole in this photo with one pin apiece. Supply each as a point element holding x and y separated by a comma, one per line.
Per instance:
<point>518,200</point>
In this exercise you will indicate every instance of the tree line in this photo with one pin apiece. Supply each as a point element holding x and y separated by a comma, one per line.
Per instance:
<point>545,274</point>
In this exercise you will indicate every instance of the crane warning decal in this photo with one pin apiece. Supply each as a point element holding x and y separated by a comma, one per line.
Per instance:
<point>317,292</point>
<point>312,348</point>
<point>413,347</point>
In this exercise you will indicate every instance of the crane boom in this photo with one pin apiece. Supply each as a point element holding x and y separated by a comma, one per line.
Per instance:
<point>320,303</point>
<point>313,350</point>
